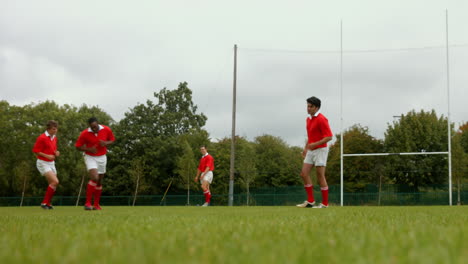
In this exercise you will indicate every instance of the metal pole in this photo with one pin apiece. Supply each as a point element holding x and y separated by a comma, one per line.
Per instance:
<point>24,188</point>
<point>81,188</point>
<point>188,189</point>
<point>449,129</point>
<point>233,135</point>
<point>341,112</point>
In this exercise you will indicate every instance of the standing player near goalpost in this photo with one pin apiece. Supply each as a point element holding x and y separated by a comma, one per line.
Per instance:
<point>94,141</point>
<point>205,168</point>
<point>315,153</point>
<point>46,151</point>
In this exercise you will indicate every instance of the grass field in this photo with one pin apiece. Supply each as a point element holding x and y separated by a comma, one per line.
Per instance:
<point>432,234</point>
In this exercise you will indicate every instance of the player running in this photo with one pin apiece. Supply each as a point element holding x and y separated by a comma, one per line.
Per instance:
<point>46,151</point>
<point>315,153</point>
<point>94,141</point>
<point>205,174</point>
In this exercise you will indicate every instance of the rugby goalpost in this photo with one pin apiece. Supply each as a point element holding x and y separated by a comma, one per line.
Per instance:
<point>342,155</point>
<point>448,152</point>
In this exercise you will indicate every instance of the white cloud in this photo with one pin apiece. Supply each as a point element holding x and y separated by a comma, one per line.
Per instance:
<point>115,54</point>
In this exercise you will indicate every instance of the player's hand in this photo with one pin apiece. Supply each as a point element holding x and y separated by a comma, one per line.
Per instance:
<point>92,149</point>
<point>311,146</point>
<point>304,153</point>
<point>57,153</point>
<point>102,143</point>
<point>51,157</point>
<point>196,179</point>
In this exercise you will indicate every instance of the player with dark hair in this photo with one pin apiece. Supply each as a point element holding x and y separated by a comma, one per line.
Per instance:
<point>205,174</point>
<point>94,141</point>
<point>315,153</point>
<point>46,151</point>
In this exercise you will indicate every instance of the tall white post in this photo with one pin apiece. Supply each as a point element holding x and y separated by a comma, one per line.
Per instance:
<point>449,129</point>
<point>341,112</point>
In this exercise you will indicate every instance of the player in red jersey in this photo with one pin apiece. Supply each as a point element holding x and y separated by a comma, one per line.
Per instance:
<point>46,151</point>
<point>94,141</point>
<point>315,153</point>
<point>205,174</point>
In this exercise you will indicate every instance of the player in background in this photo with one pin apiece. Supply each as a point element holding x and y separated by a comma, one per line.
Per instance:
<point>46,151</point>
<point>94,141</point>
<point>315,153</point>
<point>205,174</point>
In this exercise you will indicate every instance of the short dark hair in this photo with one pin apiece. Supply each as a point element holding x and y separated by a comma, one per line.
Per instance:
<point>203,146</point>
<point>92,120</point>
<point>51,123</point>
<point>314,101</point>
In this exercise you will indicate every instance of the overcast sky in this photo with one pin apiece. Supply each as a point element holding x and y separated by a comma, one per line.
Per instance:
<point>115,54</point>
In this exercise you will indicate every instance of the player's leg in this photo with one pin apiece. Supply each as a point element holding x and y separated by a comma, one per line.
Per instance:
<point>320,166</point>
<point>305,175</point>
<point>102,163</point>
<point>91,188</point>
<point>206,192</point>
<point>53,181</point>
<point>323,184</point>
<point>92,167</point>
<point>98,192</point>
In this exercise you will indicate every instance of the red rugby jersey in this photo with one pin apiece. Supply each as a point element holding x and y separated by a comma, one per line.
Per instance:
<point>90,139</point>
<point>45,144</point>
<point>317,128</point>
<point>206,161</point>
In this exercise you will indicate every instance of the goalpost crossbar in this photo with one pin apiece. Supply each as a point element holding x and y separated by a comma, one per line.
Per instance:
<point>396,154</point>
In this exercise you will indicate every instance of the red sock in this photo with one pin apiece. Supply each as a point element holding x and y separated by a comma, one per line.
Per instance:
<point>207,196</point>
<point>97,195</point>
<point>89,191</point>
<point>324,195</point>
<point>48,195</point>
<point>310,192</point>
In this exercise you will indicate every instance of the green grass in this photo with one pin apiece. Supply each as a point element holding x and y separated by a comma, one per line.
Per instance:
<point>432,234</point>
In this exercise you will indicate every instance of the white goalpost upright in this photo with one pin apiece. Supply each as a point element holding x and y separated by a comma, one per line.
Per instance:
<point>448,152</point>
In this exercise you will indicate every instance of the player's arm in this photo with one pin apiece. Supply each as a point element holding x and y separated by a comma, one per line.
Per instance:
<point>42,154</point>
<point>105,143</point>
<point>324,140</point>
<point>38,146</point>
<point>110,139</point>
<point>86,149</point>
<point>198,175</point>
<point>82,146</point>
<point>206,170</point>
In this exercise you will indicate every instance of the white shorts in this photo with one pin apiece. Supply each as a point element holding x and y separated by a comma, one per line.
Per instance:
<point>317,157</point>
<point>208,177</point>
<point>96,162</point>
<point>45,166</point>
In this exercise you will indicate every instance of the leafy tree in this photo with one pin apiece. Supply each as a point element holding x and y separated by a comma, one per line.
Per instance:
<point>152,131</point>
<point>246,167</point>
<point>463,131</point>
<point>277,164</point>
<point>23,124</point>
<point>417,132</point>
<point>358,171</point>
<point>186,169</point>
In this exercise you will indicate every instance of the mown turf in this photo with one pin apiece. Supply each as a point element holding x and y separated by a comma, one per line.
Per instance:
<point>432,234</point>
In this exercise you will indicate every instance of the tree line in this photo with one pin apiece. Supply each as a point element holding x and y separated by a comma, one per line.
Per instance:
<point>157,145</point>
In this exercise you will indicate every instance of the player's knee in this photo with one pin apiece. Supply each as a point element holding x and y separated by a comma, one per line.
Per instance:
<point>303,174</point>
<point>54,183</point>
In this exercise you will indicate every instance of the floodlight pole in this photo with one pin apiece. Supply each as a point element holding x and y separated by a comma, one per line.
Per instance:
<point>233,134</point>
<point>449,128</point>
<point>341,112</point>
